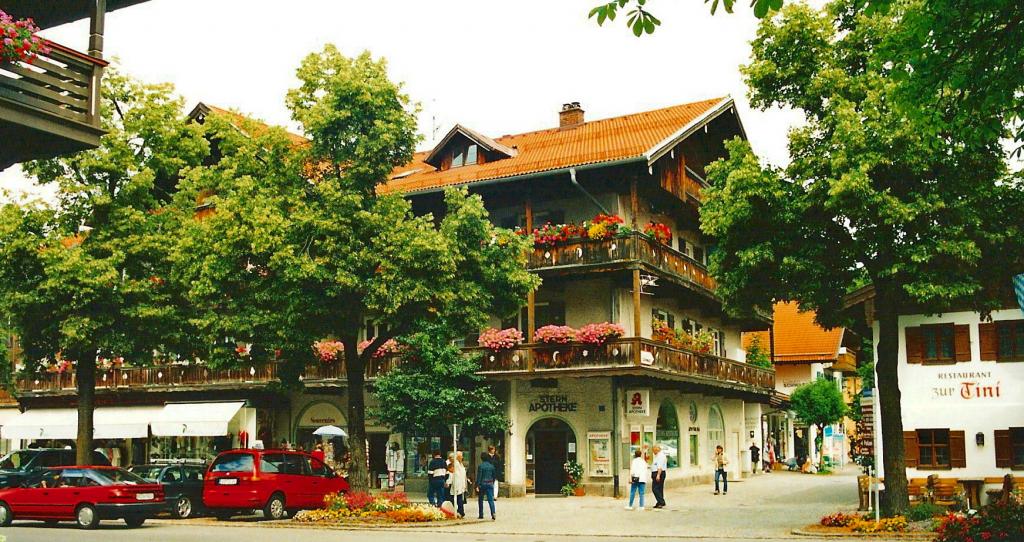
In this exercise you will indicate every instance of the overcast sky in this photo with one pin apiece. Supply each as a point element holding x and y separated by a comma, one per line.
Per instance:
<point>499,67</point>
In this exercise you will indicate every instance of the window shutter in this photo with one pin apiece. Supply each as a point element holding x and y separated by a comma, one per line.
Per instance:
<point>957,450</point>
<point>989,340</point>
<point>1004,451</point>
<point>915,345</point>
<point>911,454</point>
<point>962,342</point>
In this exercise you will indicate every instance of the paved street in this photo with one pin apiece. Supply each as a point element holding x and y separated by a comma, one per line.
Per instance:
<point>766,507</point>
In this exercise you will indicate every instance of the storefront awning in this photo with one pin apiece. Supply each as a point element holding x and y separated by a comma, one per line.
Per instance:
<point>195,419</point>
<point>123,422</point>
<point>62,423</point>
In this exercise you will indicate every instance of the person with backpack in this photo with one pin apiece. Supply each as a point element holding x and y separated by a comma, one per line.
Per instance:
<point>638,473</point>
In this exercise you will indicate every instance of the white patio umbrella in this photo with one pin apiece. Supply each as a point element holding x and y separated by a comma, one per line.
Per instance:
<point>330,431</point>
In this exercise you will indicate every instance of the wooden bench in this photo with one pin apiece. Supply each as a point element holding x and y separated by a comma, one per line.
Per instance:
<point>917,489</point>
<point>1008,484</point>
<point>945,491</point>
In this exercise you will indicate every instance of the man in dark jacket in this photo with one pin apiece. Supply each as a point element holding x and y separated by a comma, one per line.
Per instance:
<point>486,477</point>
<point>437,470</point>
<point>499,468</point>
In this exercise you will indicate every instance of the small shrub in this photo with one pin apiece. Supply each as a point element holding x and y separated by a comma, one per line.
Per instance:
<point>923,511</point>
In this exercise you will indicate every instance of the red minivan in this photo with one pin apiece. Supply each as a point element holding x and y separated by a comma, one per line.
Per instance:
<point>275,481</point>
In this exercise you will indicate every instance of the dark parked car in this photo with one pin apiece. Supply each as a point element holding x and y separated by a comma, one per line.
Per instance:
<point>18,464</point>
<point>183,485</point>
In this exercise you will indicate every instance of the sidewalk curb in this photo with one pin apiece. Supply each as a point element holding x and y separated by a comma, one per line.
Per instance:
<point>871,536</point>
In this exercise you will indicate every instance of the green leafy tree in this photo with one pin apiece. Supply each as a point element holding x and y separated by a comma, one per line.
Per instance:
<point>88,277</point>
<point>443,386</point>
<point>819,403</point>
<point>303,245</point>
<point>641,21</point>
<point>757,355</point>
<point>870,197</point>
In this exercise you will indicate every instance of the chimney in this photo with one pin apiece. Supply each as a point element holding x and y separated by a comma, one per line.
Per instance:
<point>570,116</point>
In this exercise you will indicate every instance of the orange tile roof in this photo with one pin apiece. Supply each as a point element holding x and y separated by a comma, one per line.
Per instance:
<point>604,140</point>
<point>616,138</point>
<point>798,338</point>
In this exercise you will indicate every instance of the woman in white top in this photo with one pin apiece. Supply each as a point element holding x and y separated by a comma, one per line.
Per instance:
<point>459,484</point>
<point>638,473</point>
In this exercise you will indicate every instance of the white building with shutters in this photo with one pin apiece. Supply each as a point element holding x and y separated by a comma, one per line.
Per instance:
<point>962,385</point>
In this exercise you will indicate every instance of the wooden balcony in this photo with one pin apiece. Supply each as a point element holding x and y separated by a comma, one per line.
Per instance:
<point>629,356</point>
<point>632,355</point>
<point>625,252</point>
<point>191,377</point>
<point>49,107</point>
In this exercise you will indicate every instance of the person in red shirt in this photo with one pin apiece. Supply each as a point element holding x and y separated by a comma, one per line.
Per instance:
<point>318,452</point>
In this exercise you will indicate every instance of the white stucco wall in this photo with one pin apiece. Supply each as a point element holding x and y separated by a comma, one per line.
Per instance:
<point>931,394</point>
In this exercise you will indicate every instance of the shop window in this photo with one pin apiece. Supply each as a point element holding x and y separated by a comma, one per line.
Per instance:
<point>716,428</point>
<point>694,449</point>
<point>1009,447</point>
<point>667,433</point>
<point>938,343</point>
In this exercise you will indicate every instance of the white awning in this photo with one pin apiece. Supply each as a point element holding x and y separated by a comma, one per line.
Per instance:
<point>62,423</point>
<point>42,423</point>
<point>7,414</point>
<point>195,419</point>
<point>123,422</point>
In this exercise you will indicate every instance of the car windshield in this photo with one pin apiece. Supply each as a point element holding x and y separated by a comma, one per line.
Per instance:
<point>149,472</point>
<point>108,477</point>
<point>233,463</point>
<point>16,460</point>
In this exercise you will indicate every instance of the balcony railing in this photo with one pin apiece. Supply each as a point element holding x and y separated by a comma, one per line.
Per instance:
<point>187,376</point>
<point>634,248</point>
<point>627,353</point>
<point>50,106</point>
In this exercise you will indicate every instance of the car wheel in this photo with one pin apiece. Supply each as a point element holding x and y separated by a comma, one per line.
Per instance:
<point>134,522</point>
<point>275,507</point>
<point>86,516</point>
<point>6,516</point>
<point>182,508</point>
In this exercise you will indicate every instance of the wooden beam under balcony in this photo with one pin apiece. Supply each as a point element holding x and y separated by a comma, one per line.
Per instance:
<point>49,107</point>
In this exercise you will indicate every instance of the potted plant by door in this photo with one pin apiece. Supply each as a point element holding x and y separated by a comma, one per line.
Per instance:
<point>574,476</point>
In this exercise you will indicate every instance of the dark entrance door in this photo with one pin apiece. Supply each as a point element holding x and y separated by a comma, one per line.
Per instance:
<point>550,440</point>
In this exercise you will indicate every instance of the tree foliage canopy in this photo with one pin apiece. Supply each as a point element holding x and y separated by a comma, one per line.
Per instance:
<point>818,403</point>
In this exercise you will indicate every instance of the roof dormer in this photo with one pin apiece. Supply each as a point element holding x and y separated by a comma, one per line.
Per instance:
<point>465,147</point>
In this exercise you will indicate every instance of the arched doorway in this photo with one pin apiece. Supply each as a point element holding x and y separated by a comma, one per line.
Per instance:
<point>550,442</point>
<point>312,417</point>
<point>667,433</point>
<point>716,429</point>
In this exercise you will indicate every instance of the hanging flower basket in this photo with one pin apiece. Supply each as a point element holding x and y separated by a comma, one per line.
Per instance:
<point>18,40</point>
<point>500,340</point>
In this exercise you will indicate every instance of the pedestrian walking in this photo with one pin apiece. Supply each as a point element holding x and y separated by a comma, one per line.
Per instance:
<point>393,458</point>
<point>485,478</point>
<point>719,461</point>
<point>638,473</point>
<point>437,471</point>
<point>459,484</point>
<point>755,457</point>
<point>659,468</point>
<point>449,465</point>
<point>499,468</point>
<point>318,452</point>
<point>769,456</point>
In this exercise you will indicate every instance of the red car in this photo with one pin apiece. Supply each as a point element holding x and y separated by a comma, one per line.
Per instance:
<point>275,481</point>
<point>82,494</point>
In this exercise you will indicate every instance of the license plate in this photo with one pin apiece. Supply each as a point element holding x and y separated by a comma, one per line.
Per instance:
<point>227,481</point>
<point>144,496</point>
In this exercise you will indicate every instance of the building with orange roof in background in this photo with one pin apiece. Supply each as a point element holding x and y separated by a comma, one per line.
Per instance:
<point>802,351</point>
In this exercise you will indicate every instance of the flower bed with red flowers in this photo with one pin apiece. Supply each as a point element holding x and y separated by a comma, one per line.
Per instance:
<point>362,507</point>
<point>996,522</point>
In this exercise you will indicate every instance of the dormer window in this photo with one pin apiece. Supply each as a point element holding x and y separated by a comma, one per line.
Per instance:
<point>464,156</point>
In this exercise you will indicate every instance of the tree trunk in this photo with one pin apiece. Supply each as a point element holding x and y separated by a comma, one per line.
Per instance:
<point>355,369</point>
<point>85,374</point>
<point>896,500</point>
